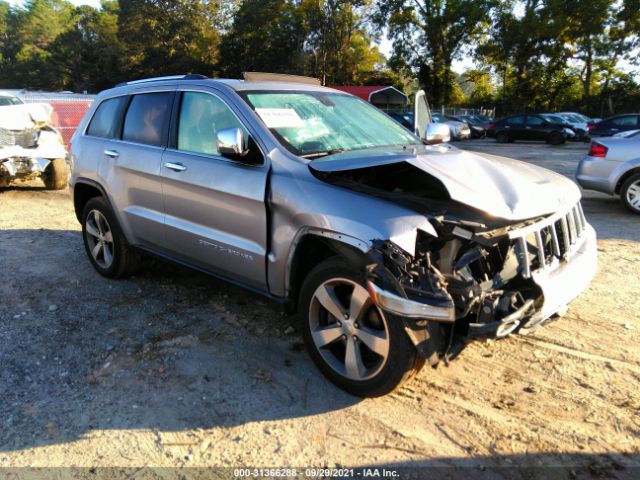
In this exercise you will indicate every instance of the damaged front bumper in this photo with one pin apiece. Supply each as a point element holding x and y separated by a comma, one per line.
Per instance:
<point>541,266</point>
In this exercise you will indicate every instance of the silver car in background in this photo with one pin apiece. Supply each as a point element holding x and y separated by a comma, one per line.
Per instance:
<point>458,130</point>
<point>395,249</point>
<point>613,166</point>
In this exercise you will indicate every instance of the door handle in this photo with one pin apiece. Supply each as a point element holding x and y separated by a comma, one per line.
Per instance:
<point>176,167</point>
<point>111,153</point>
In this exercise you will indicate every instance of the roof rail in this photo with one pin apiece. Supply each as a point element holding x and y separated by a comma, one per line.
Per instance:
<point>188,76</point>
<point>278,77</point>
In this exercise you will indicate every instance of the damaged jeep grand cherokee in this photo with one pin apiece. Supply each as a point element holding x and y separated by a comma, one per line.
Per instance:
<point>395,249</point>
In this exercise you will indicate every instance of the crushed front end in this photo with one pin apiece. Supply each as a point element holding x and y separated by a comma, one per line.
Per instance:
<point>28,142</point>
<point>476,282</point>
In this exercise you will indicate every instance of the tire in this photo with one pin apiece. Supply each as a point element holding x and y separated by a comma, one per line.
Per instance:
<point>114,257</point>
<point>56,175</point>
<point>555,138</point>
<point>333,283</point>
<point>5,178</point>
<point>630,193</point>
<point>502,137</point>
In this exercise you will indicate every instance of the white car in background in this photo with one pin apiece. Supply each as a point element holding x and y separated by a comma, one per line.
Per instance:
<point>29,146</point>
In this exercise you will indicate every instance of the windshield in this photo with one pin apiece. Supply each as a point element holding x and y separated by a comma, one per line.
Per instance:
<point>5,101</point>
<point>316,124</point>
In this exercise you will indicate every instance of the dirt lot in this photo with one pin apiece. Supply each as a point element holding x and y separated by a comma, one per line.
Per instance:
<point>172,368</point>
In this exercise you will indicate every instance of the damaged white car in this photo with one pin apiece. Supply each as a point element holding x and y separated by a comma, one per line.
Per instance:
<point>395,249</point>
<point>29,146</point>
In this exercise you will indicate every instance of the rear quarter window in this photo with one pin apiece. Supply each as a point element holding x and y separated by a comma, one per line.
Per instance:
<point>107,118</point>
<point>147,118</point>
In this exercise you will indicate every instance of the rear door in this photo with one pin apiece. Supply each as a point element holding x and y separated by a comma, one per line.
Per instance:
<point>537,128</point>
<point>215,207</point>
<point>134,166</point>
<point>128,134</point>
<point>515,127</point>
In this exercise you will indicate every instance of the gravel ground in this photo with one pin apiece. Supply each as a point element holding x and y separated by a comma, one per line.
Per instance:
<point>171,368</point>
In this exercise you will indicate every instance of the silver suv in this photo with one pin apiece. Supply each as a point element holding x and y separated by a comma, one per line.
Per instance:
<point>395,249</point>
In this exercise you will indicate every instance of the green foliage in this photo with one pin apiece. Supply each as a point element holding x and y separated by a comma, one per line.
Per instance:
<point>533,54</point>
<point>322,38</point>
<point>429,34</point>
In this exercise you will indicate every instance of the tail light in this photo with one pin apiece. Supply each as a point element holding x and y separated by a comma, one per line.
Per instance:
<point>490,126</point>
<point>591,126</point>
<point>598,150</point>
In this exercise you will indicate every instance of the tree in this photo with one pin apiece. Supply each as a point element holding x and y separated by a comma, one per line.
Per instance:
<point>87,56</point>
<point>338,47</point>
<point>161,37</point>
<point>26,51</point>
<point>429,34</point>
<point>266,35</point>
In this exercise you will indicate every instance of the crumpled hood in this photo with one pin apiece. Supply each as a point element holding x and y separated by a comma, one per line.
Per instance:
<point>499,186</point>
<point>25,116</point>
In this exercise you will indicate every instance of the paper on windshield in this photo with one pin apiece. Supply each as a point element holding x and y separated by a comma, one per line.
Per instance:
<point>280,117</point>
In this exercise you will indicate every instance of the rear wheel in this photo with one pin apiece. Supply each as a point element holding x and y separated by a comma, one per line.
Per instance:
<point>502,137</point>
<point>356,345</point>
<point>555,138</point>
<point>56,175</point>
<point>106,246</point>
<point>630,193</point>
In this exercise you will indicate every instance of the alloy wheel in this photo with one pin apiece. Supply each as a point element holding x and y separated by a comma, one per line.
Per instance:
<point>348,330</point>
<point>99,238</point>
<point>633,195</point>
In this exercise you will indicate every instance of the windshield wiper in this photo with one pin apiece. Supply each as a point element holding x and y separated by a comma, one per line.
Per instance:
<point>323,154</point>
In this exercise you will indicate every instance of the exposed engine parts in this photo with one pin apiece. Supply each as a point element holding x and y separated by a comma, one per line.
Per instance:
<point>477,274</point>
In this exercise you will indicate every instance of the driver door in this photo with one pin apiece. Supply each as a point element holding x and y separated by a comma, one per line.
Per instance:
<point>215,208</point>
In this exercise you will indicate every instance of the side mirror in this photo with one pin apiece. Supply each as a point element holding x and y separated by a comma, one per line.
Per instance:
<point>437,133</point>
<point>230,142</point>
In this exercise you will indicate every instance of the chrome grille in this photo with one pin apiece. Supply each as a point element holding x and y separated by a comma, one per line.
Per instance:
<point>23,138</point>
<point>544,244</point>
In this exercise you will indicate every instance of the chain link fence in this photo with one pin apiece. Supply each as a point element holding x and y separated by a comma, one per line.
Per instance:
<point>68,108</point>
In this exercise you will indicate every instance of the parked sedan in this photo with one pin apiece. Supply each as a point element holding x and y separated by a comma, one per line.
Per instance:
<point>459,130</point>
<point>612,125</point>
<point>580,128</point>
<point>478,130</point>
<point>529,127</point>
<point>613,166</point>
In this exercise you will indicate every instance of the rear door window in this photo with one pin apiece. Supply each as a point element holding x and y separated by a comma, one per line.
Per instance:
<point>516,121</point>
<point>107,118</point>
<point>535,121</point>
<point>147,118</point>
<point>630,121</point>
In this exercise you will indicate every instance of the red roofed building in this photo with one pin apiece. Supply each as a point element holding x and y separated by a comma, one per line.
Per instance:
<point>378,95</point>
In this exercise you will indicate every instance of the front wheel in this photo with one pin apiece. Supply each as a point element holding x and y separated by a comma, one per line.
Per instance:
<point>630,193</point>
<point>354,343</point>
<point>56,175</point>
<point>556,138</point>
<point>502,137</point>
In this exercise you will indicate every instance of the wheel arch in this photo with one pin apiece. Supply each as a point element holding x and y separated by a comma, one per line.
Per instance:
<point>623,178</point>
<point>312,246</point>
<point>84,190</point>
